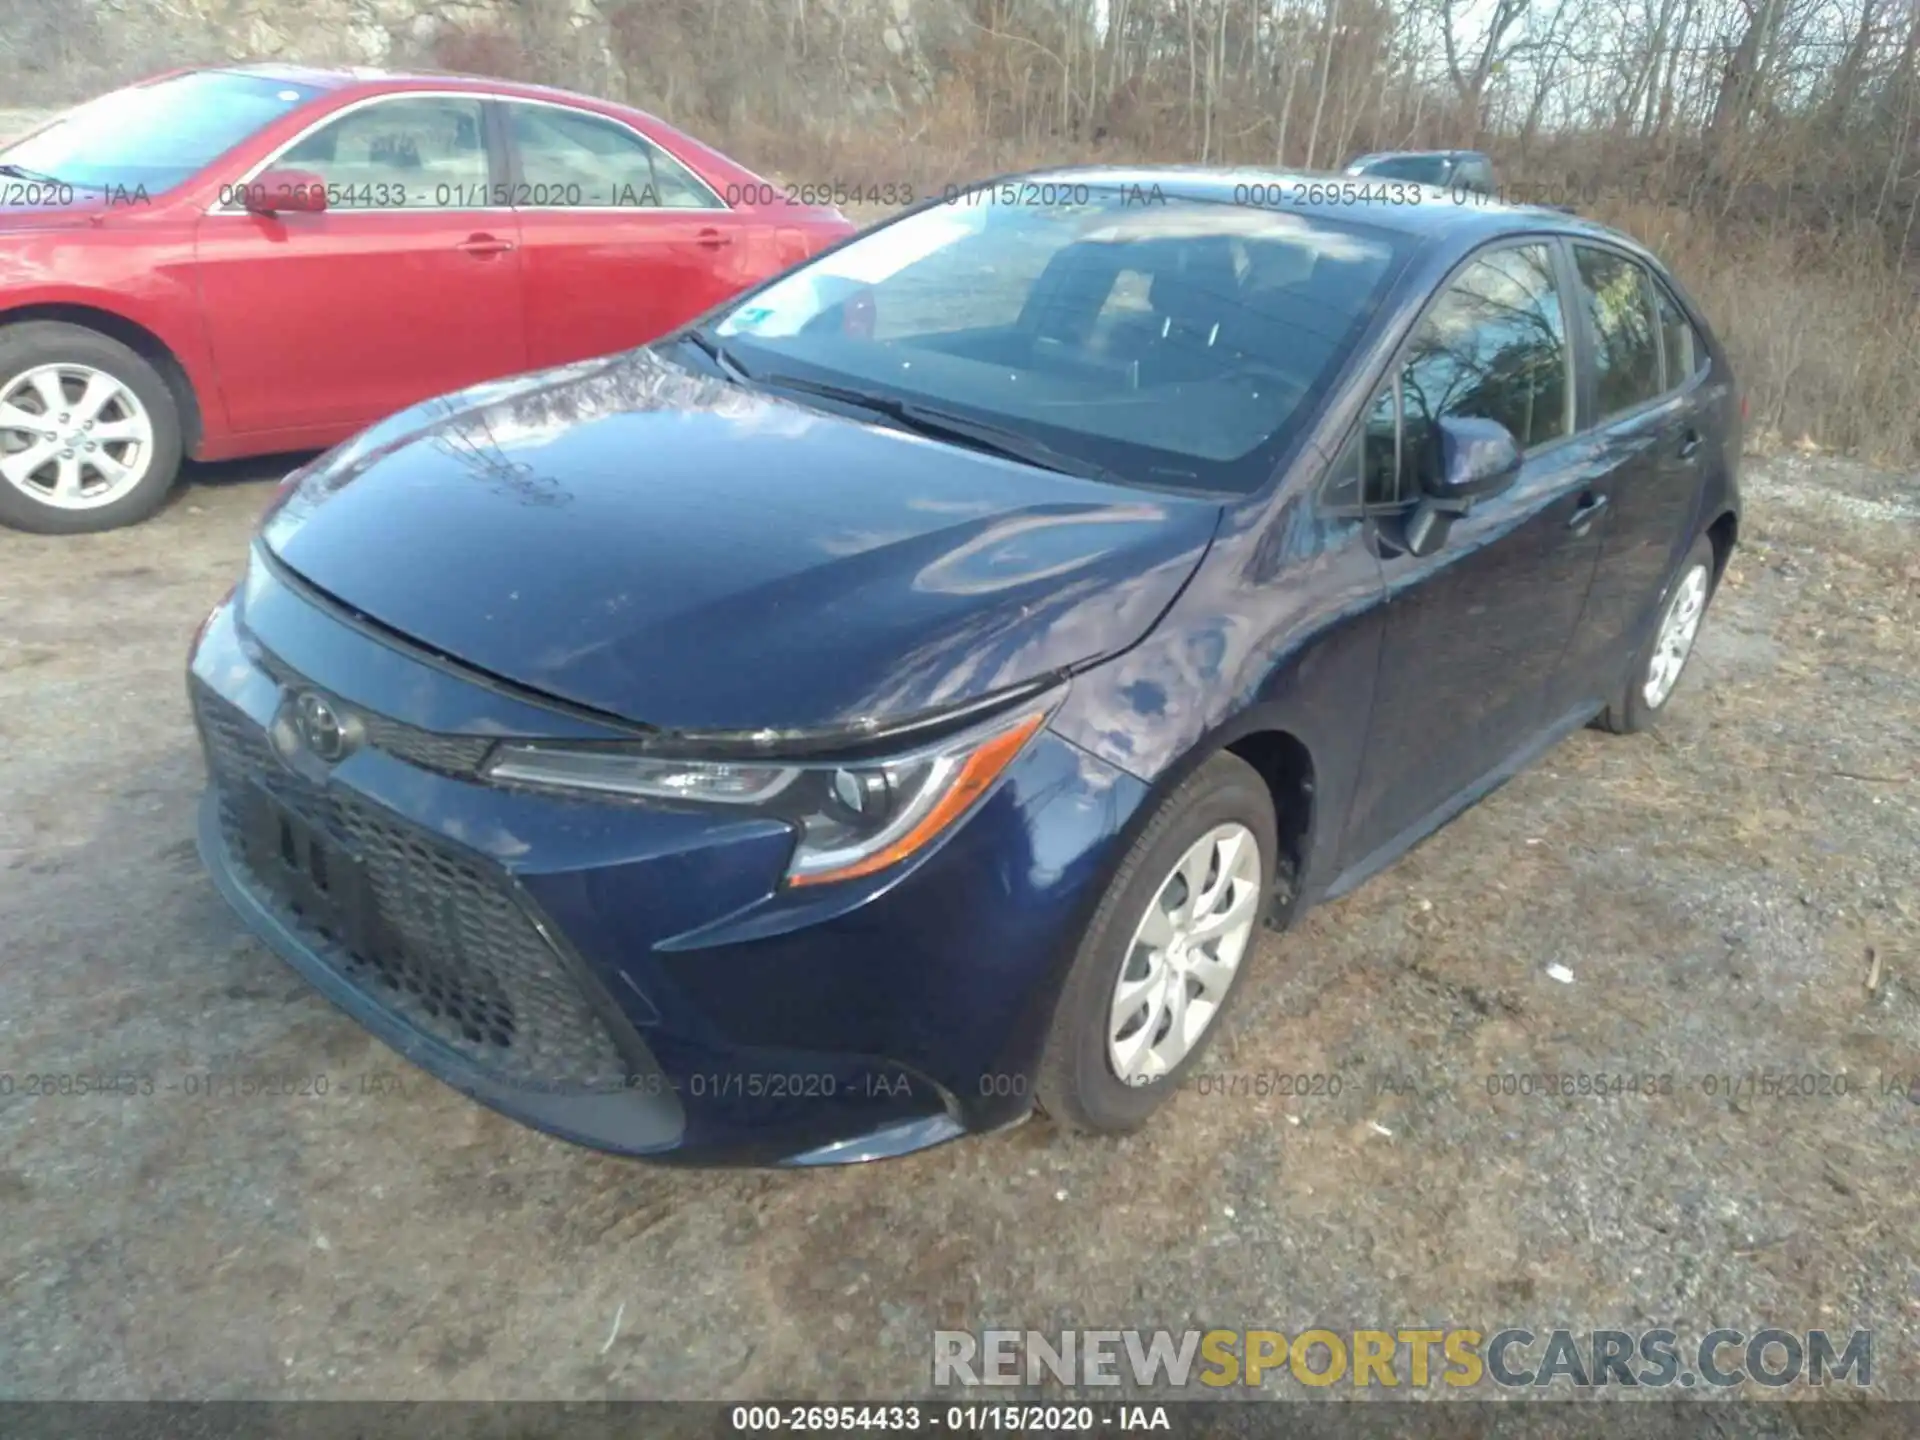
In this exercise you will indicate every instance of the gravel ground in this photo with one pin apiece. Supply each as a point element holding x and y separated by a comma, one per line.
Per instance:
<point>1736,894</point>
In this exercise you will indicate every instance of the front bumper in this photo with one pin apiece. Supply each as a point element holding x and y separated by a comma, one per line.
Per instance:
<point>624,976</point>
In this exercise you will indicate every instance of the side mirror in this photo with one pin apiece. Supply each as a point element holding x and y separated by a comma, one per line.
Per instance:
<point>275,192</point>
<point>1476,458</point>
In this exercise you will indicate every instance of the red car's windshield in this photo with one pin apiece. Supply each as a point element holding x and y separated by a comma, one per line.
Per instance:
<point>155,136</point>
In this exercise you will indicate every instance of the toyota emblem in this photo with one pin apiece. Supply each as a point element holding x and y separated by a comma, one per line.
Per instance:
<point>321,729</point>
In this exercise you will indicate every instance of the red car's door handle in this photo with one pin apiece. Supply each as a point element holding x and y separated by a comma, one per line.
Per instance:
<point>485,245</point>
<point>711,239</point>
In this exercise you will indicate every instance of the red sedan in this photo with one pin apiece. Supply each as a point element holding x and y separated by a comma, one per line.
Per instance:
<point>240,261</point>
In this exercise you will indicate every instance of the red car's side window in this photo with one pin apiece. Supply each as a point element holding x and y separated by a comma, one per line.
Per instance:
<point>570,158</point>
<point>415,152</point>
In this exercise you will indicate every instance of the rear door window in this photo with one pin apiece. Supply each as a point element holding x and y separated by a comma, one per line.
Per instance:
<point>1618,296</point>
<point>572,159</point>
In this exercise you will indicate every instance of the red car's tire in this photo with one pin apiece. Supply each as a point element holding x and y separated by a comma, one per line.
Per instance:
<point>90,435</point>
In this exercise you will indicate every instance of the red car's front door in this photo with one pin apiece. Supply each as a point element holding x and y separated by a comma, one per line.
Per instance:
<point>406,287</point>
<point>621,242</point>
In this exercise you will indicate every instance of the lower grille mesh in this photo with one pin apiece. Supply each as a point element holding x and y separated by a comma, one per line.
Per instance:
<point>462,963</point>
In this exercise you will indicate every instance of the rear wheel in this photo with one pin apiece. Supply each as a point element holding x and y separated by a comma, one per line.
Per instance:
<point>89,431</point>
<point>1163,957</point>
<point>1656,670</point>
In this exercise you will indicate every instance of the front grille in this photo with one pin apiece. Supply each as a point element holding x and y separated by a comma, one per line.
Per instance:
<point>460,960</point>
<point>449,754</point>
<point>430,750</point>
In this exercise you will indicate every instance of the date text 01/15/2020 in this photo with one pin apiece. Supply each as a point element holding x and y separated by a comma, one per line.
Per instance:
<point>958,1419</point>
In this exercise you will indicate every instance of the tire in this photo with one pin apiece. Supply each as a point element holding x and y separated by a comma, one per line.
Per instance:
<point>43,359</point>
<point>1635,710</point>
<point>1079,1084</point>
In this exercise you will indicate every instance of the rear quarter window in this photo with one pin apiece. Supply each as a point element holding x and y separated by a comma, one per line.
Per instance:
<point>1684,351</point>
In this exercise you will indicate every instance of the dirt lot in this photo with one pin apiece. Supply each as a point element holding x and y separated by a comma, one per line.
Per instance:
<point>1722,895</point>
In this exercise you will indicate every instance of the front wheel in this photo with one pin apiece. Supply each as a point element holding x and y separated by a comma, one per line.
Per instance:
<point>89,431</point>
<point>1656,669</point>
<point>1164,954</point>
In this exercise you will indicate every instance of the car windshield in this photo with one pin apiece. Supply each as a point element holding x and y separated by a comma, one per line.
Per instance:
<point>1171,342</point>
<point>1421,169</point>
<point>155,136</point>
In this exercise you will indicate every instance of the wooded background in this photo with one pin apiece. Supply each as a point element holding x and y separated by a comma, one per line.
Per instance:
<point>1769,149</point>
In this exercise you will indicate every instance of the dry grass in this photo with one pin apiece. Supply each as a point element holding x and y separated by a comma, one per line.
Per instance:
<point>1824,328</point>
<point>1823,325</point>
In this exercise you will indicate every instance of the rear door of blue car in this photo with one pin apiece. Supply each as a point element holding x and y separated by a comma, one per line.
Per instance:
<point>1646,404</point>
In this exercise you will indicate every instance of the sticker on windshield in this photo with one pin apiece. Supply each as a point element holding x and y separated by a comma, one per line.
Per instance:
<point>749,320</point>
<point>785,307</point>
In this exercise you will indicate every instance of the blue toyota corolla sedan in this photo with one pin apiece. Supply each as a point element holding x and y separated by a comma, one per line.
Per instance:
<point>894,702</point>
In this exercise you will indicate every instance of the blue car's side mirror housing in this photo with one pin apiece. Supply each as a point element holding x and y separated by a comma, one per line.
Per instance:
<point>1478,458</point>
<point>1474,458</point>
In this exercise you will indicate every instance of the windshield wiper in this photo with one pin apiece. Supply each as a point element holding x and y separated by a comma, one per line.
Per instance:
<point>32,177</point>
<point>1001,440</point>
<point>717,353</point>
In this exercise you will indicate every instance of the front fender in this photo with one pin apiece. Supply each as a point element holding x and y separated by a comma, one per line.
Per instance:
<point>1278,631</point>
<point>127,287</point>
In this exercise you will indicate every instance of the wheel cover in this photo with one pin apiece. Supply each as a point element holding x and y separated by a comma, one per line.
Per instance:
<point>73,437</point>
<point>1184,955</point>
<point>1675,643</point>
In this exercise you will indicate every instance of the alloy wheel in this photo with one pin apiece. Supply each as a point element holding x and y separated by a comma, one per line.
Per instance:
<point>72,436</point>
<point>1184,955</point>
<point>1677,630</point>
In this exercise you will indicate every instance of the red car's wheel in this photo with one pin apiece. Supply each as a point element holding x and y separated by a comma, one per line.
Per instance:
<point>89,431</point>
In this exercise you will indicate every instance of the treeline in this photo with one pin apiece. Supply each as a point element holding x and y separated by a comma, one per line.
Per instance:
<point>1769,148</point>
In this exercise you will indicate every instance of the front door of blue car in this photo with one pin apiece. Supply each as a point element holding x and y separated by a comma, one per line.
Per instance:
<point>1475,631</point>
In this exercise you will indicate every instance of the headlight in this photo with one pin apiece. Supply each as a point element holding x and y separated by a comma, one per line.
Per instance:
<point>852,817</point>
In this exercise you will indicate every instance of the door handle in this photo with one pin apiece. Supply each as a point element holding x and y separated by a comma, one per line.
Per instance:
<point>711,239</point>
<point>1690,445</point>
<point>485,245</point>
<point>1590,506</point>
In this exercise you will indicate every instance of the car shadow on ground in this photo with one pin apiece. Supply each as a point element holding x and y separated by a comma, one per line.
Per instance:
<point>196,475</point>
